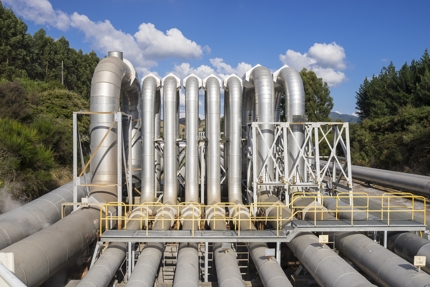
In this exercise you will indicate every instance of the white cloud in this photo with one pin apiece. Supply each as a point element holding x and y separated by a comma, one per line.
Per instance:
<point>143,48</point>
<point>185,69</point>
<point>40,12</point>
<point>328,55</point>
<point>155,44</point>
<point>223,69</point>
<point>326,60</point>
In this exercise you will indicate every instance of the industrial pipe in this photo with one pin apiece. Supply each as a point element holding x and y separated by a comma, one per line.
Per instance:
<point>233,85</point>
<point>386,268</point>
<point>407,245</point>
<point>36,215</point>
<point>56,246</point>
<point>150,85</point>
<point>292,83</point>
<point>192,86</point>
<point>398,180</point>
<point>212,104</point>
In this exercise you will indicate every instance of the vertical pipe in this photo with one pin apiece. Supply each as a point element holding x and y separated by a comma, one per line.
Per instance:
<point>212,85</point>
<point>233,85</point>
<point>170,87</point>
<point>292,83</point>
<point>158,159</point>
<point>149,88</point>
<point>192,86</point>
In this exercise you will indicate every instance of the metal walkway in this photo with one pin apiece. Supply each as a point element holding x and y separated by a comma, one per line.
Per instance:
<point>284,235</point>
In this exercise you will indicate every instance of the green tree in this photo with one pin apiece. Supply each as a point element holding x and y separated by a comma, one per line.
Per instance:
<point>14,45</point>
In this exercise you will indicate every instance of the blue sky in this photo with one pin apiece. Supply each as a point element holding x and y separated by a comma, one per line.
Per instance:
<point>342,41</point>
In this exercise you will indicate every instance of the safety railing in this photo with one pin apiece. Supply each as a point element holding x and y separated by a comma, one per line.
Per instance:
<point>382,207</point>
<point>242,217</point>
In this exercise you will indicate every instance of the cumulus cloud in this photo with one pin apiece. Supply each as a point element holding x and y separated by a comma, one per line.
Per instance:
<point>143,48</point>
<point>40,12</point>
<point>185,69</point>
<point>224,69</point>
<point>326,60</point>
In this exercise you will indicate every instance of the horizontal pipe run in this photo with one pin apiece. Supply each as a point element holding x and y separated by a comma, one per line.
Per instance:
<point>36,215</point>
<point>187,267</point>
<point>385,267</point>
<point>146,267</point>
<point>325,266</point>
<point>407,245</point>
<point>398,180</point>
<point>105,267</point>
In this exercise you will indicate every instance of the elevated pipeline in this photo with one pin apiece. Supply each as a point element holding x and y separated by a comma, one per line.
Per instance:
<point>36,215</point>
<point>40,255</point>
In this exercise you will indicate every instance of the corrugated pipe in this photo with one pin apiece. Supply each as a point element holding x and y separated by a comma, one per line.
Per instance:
<point>150,85</point>
<point>292,83</point>
<point>56,246</point>
<point>407,245</point>
<point>36,215</point>
<point>386,268</point>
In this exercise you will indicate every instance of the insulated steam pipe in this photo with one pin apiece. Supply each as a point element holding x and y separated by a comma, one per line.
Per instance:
<point>150,84</point>
<point>56,246</point>
<point>192,86</point>
<point>130,106</point>
<point>385,267</point>
<point>233,85</point>
<point>398,180</point>
<point>212,99</point>
<point>407,245</point>
<point>325,266</point>
<point>35,215</point>
<point>292,83</point>
<point>170,86</point>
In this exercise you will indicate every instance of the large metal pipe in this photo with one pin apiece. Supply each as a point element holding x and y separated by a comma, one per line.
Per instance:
<point>130,106</point>
<point>271,274</point>
<point>192,85</point>
<point>36,215</point>
<point>212,103</point>
<point>233,85</point>
<point>292,83</point>
<point>56,246</point>
<point>171,84</point>
<point>407,245</point>
<point>325,266</point>
<point>398,180</point>
<point>110,77</point>
<point>187,266</point>
<point>150,85</point>
<point>261,78</point>
<point>9,277</point>
<point>146,267</point>
<point>105,267</point>
<point>385,267</point>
